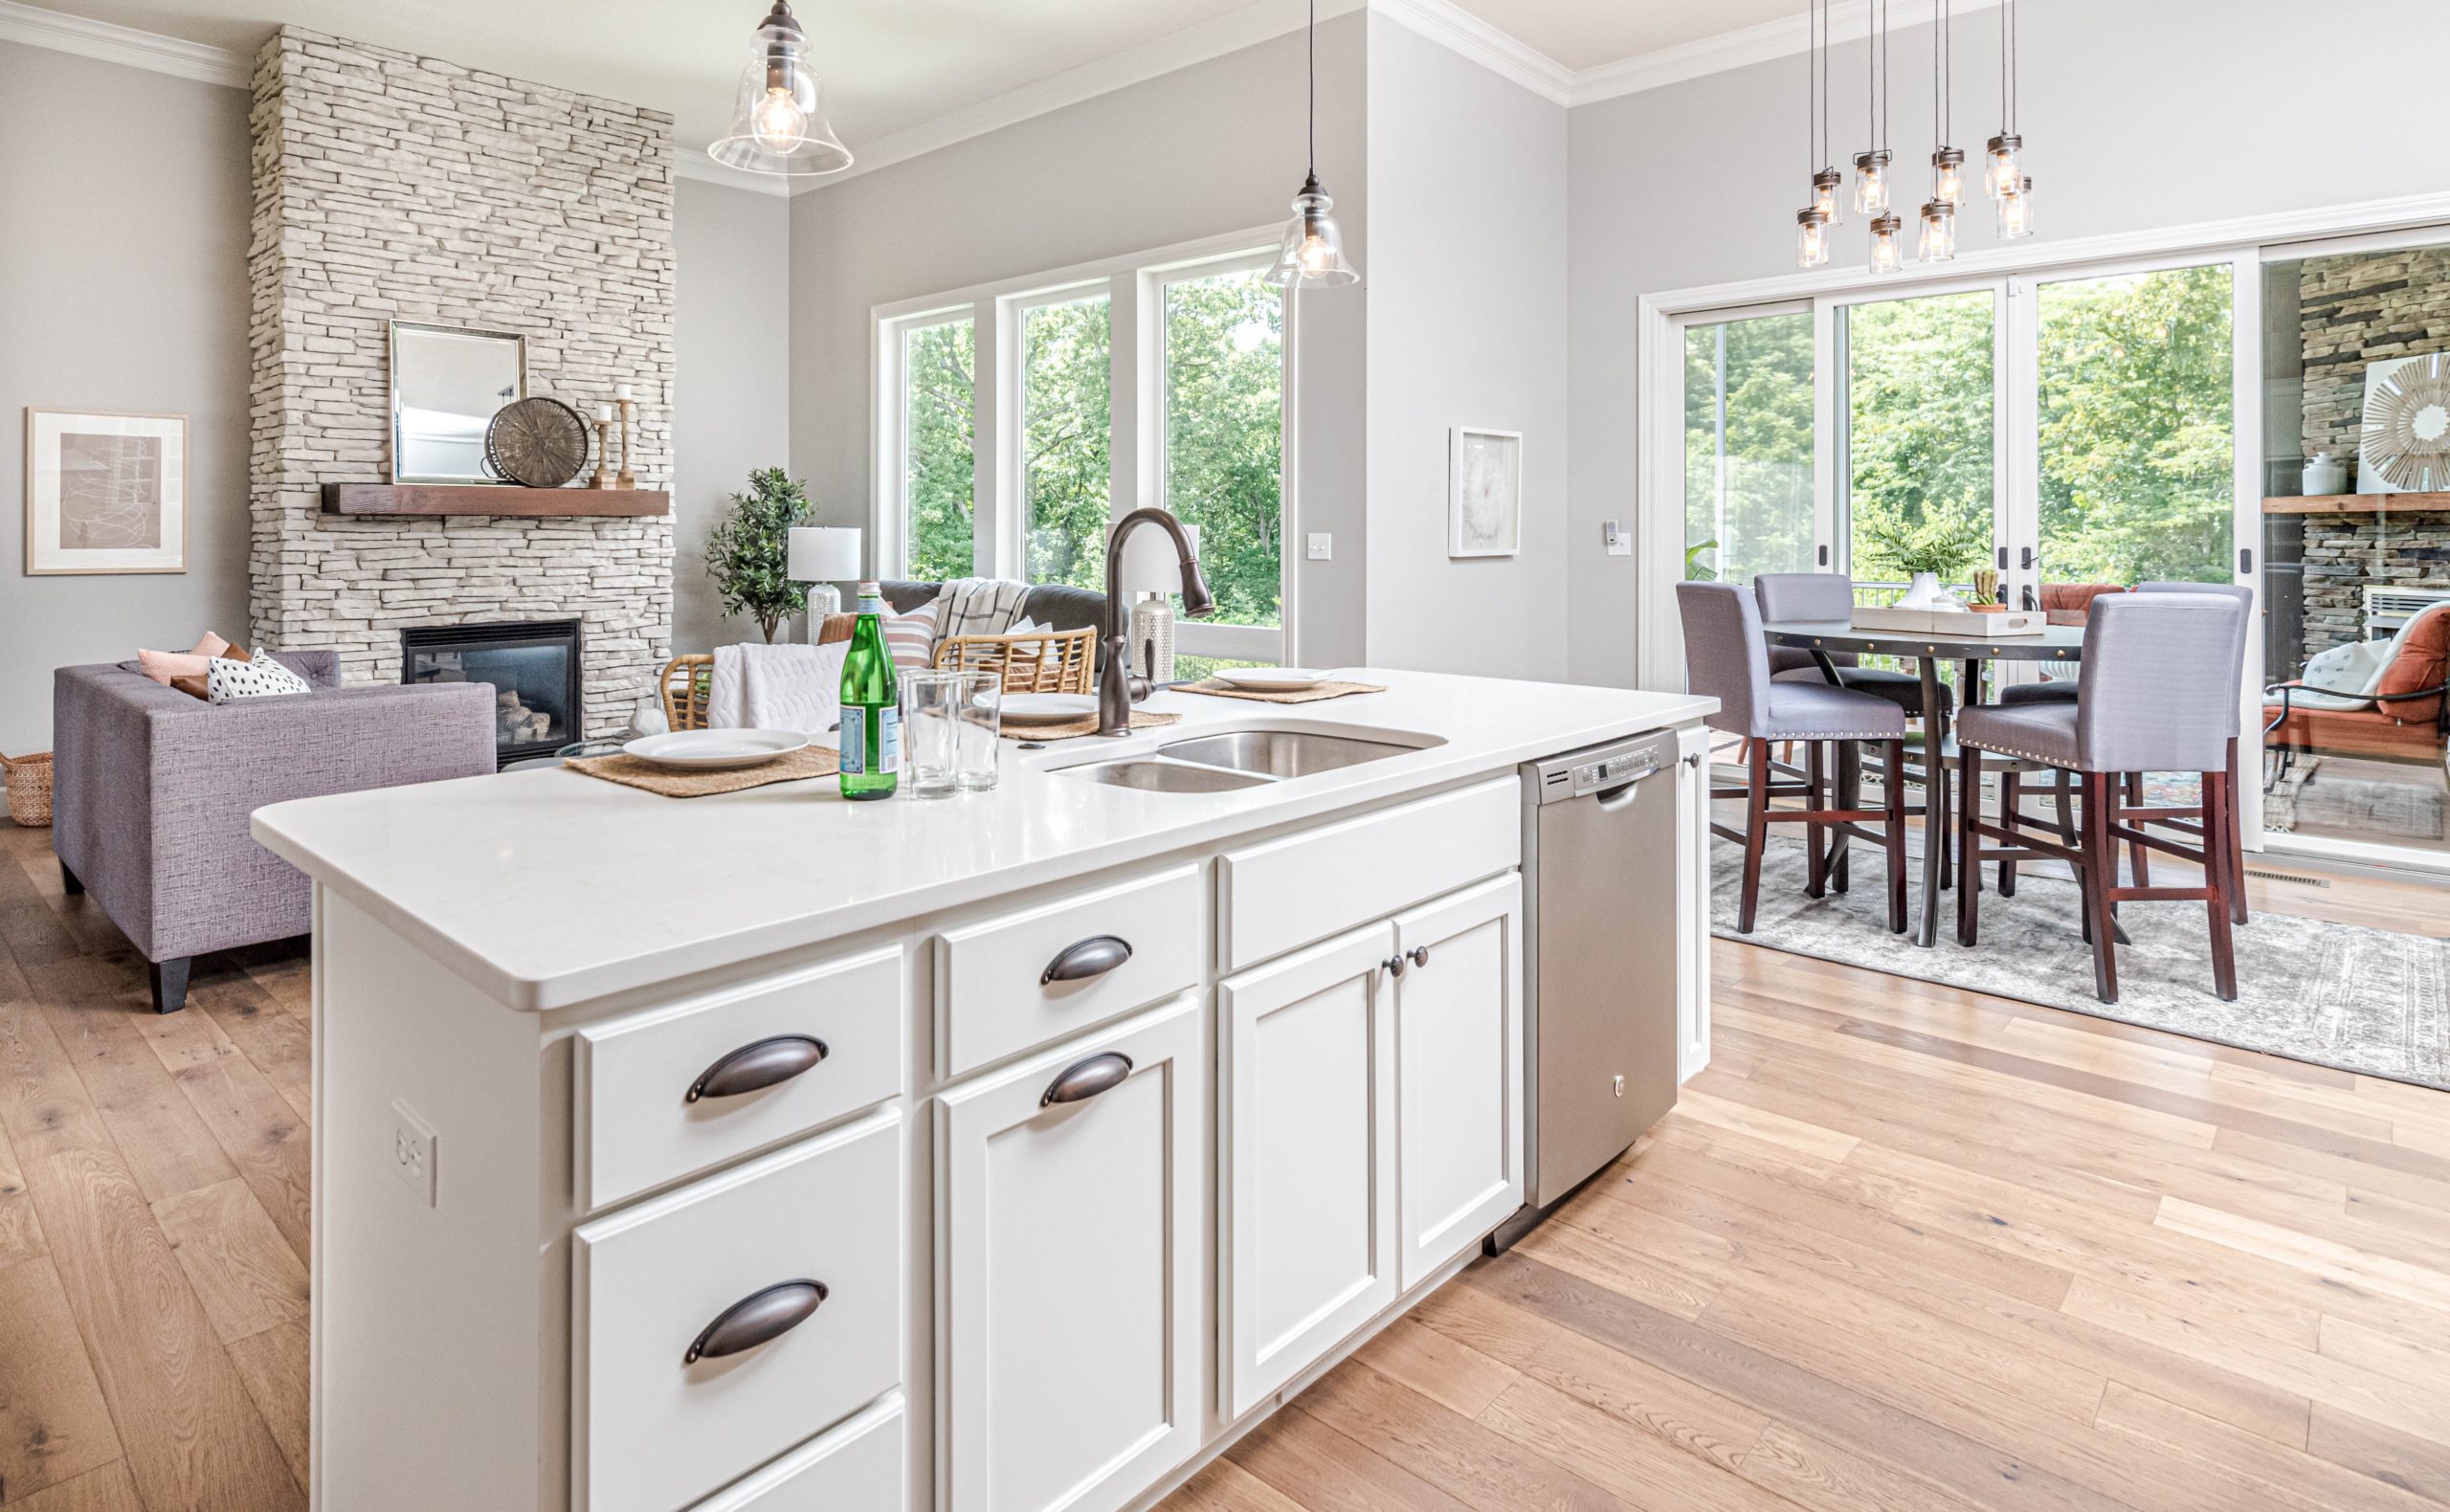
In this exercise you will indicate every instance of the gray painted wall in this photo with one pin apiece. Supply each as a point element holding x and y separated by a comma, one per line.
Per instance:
<point>123,286</point>
<point>1208,149</point>
<point>731,380</point>
<point>1699,182</point>
<point>1467,326</point>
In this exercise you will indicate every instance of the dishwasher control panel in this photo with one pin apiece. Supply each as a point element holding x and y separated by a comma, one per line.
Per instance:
<point>1586,772</point>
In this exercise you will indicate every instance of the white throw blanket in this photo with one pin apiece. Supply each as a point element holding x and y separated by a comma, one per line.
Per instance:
<point>790,687</point>
<point>978,606</point>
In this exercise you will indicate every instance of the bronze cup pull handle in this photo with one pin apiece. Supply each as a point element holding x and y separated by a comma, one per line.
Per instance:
<point>1086,1078</point>
<point>761,1064</point>
<point>761,1317</point>
<point>1083,959</point>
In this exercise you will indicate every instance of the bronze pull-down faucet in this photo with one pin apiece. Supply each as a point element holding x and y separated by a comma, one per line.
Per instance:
<point>1114,683</point>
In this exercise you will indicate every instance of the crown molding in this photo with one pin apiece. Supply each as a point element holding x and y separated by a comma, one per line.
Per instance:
<point>1849,21</point>
<point>36,26</point>
<point>1453,27</point>
<point>692,163</point>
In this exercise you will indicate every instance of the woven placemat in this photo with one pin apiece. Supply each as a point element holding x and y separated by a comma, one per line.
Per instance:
<point>1086,725</point>
<point>1309,694</point>
<point>809,761</point>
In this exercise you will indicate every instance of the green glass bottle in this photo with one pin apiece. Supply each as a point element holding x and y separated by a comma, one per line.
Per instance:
<point>871,706</point>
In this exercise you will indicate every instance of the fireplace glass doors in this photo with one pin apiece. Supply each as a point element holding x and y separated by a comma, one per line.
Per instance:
<point>534,670</point>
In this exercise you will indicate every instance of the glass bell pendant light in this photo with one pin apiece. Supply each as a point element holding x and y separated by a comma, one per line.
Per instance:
<point>1887,253</point>
<point>777,122</point>
<point>1811,237</point>
<point>2016,211</point>
<point>1311,255</point>
<point>1938,242</point>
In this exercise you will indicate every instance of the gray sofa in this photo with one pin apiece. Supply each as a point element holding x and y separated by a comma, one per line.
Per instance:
<point>151,790</point>
<point>1053,605</point>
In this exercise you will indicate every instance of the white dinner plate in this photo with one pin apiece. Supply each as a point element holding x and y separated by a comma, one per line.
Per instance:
<point>1271,680</point>
<point>715,750</point>
<point>1047,708</point>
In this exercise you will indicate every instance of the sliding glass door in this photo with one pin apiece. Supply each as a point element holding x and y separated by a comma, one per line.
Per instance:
<point>1920,413</point>
<point>1749,504</point>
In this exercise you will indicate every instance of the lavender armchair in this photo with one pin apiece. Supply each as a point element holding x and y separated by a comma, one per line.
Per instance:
<point>152,788</point>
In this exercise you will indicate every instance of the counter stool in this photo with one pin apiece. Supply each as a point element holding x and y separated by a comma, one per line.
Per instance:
<point>1727,658</point>
<point>2152,699</point>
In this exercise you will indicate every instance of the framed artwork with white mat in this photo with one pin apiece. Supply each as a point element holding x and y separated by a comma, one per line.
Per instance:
<point>1484,492</point>
<point>106,490</point>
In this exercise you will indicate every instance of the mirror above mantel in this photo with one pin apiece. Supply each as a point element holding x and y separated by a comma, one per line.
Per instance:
<point>446,386</point>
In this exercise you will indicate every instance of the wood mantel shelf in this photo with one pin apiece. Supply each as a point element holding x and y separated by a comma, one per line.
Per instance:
<point>449,499</point>
<point>2358,505</point>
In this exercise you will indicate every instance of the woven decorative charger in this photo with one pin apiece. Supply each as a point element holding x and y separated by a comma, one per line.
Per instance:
<point>540,443</point>
<point>809,761</point>
<point>1086,725</point>
<point>1309,694</point>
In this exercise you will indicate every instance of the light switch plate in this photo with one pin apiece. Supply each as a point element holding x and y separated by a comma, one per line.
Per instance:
<point>1323,546</point>
<point>1620,541</point>
<point>413,1147</point>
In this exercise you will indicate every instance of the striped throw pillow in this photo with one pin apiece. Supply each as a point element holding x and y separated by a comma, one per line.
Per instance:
<point>911,637</point>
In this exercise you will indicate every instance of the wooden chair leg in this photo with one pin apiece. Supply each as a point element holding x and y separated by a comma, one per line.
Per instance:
<point>1968,871</point>
<point>1815,837</point>
<point>1756,834</point>
<point>2137,855</point>
<point>2101,870</point>
<point>1947,808</point>
<point>2217,866</point>
<point>2012,798</point>
<point>2063,792</point>
<point>1849,782</point>
<point>1892,792</point>
<point>2236,845</point>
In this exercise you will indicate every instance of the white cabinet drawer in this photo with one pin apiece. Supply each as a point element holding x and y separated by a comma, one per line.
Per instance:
<point>1070,1201</point>
<point>652,1428</point>
<point>832,1034</point>
<point>1308,886</point>
<point>859,1467</point>
<point>1020,980</point>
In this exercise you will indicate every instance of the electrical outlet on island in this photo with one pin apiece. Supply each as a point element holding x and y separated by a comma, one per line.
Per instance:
<point>412,1151</point>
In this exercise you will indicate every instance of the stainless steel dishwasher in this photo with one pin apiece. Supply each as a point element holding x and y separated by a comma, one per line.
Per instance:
<point>1599,961</point>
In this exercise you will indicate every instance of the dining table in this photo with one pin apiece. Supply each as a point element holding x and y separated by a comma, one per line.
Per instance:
<point>1930,651</point>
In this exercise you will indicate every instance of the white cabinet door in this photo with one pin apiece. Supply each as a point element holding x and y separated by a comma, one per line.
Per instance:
<point>1069,1253</point>
<point>1307,1193</point>
<point>1458,1095</point>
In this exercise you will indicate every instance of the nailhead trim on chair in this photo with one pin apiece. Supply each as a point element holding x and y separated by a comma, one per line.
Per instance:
<point>2051,762</point>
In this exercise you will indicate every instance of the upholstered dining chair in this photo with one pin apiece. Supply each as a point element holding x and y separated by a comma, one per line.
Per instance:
<point>1831,596</point>
<point>2157,696</point>
<point>1727,658</point>
<point>2187,820</point>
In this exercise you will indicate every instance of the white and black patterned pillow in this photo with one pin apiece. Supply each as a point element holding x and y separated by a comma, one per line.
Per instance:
<point>226,681</point>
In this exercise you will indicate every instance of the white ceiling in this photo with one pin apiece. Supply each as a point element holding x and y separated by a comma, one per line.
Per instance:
<point>910,67</point>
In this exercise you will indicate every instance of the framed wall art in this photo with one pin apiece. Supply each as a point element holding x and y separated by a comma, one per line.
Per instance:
<point>106,492</point>
<point>1484,493</point>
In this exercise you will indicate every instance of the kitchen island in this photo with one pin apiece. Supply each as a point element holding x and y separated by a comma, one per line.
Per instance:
<point>1010,1151</point>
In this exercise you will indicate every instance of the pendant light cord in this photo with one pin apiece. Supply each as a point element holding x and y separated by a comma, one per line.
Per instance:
<point>1314,88</point>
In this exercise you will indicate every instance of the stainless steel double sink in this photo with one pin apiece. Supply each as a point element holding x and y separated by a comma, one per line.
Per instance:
<point>1240,759</point>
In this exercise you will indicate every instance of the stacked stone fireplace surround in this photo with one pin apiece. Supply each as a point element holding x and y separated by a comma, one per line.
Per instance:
<point>391,186</point>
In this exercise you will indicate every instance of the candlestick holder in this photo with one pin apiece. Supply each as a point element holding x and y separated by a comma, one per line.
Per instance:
<point>629,417</point>
<point>602,455</point>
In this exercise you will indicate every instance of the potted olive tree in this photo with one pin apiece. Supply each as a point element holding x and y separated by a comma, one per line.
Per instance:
<point>750,552</point>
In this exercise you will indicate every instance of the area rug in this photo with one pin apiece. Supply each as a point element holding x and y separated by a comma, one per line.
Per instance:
<point>2359,999</point>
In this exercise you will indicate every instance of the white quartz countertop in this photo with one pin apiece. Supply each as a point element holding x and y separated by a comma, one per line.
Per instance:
<point>548,887</point>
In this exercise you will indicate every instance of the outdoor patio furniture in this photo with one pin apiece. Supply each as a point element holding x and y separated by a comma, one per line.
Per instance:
<point>2401,717</point>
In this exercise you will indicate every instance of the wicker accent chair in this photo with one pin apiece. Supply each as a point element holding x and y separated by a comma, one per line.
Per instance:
<point>1050,661</point>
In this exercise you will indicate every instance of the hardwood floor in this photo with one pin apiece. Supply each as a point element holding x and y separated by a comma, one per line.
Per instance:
<point>1900,1247</point>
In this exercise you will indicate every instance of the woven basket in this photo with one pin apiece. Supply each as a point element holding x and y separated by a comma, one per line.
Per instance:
<point>29,789</point>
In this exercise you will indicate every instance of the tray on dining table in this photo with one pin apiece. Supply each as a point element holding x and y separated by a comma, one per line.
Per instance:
<point>1964,623</point>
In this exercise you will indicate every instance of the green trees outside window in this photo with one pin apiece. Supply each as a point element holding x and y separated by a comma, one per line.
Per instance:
<point>1066,423</point>
<point>1748,448</point>
<point>1225,436</point>
<point>939,400</point>
<point>1918,407</point>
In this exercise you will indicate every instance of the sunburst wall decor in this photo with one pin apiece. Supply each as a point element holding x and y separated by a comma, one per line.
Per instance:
<point>2406,442</point>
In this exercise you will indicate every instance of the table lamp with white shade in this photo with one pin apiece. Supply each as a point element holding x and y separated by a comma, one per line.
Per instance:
<point>822,556</point>
<point>1151,575</point>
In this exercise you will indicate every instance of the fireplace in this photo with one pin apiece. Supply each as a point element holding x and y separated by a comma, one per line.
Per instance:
<point>533,667</point>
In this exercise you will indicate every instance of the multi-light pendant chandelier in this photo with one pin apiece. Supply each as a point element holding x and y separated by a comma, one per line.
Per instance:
<point>2004,177</point>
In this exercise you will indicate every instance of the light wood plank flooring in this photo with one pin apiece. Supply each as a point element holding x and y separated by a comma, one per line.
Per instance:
<point>1901,1247</point>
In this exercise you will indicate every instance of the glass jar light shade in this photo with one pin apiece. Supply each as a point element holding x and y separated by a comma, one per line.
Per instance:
<point>2015,211</point>
<point>778,123</point>
<point>1887,251</point>
<point>2003,165</point>
<point>1311,255</point>
<point>1828,196</point>
<point>1811,237</point>
<point>1948,175</point>
<point>1871,181</point>
<point>1938,243</point>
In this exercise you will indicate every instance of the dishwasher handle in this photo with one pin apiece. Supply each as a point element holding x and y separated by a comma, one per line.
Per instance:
<point>1615,799</point>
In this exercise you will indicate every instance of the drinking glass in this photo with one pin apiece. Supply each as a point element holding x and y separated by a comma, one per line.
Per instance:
<point>979,715</point>
<point>930,732</point>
